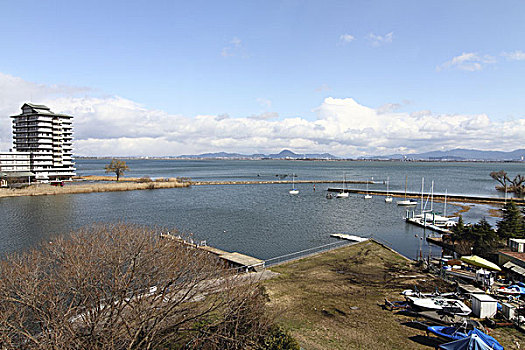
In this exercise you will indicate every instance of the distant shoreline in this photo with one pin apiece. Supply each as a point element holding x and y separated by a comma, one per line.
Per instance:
<point>307,159</point>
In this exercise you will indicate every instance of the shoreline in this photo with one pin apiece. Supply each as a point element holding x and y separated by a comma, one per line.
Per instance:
<point>45,190</point>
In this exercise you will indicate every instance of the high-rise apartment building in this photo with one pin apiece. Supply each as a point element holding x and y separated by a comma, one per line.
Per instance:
<point>48,138</point>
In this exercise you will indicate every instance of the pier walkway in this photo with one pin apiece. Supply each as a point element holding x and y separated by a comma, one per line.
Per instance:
<point>437,197</point>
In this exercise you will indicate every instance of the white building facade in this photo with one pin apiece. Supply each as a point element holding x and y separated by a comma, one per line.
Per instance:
<point>15,162</point>
<point>47,138</point>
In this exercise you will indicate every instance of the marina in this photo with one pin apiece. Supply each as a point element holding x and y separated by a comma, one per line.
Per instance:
<point>437,197</point>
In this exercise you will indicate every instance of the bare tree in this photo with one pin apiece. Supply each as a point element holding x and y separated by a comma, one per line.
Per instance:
<point>123,287</point>
<point>518,185</point>
<point>117,166</point>
<point>501,177</point>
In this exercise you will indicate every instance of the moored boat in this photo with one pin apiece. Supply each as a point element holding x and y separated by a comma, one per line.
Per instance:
<point>343,193</point>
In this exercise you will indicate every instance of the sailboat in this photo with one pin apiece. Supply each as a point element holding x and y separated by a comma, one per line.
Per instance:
<point>343,194</point>
<point>428,216</point>
<point>293,190</point>
<point>388,197</point>
<point>367,196</point>
<point>406,202</point>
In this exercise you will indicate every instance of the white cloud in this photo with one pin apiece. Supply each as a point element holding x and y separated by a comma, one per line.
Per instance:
<point>388,107</point>
<point>233,48</point>
<point>115,126</point>
<point>264,102</point>
<point>264,116</point>
<point>378,40</point>
<point>323,88</point>
<point>514,56</point>
<point>467,61</point>
<point>346,38</point>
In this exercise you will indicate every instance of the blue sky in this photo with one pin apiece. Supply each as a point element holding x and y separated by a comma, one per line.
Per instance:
<point>273,60</point>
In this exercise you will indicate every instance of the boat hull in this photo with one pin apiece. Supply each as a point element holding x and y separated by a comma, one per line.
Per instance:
<point>451,306</point>
<point>406,203</point>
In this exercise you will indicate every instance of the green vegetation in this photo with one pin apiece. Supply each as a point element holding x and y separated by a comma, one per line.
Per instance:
<point>117,166</point>
<point>481,239</point>
<point>512,224</point>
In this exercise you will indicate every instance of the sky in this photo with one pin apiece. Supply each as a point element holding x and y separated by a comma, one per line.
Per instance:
<point>352,78</point>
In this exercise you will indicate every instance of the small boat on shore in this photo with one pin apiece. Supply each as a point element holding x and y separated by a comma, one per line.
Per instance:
<point>450,306</point>
<point>447,333</point>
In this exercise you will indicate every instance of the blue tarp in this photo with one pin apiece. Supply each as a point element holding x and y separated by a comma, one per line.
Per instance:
<point>453,334</point>
<point>491,342</point>
<point>472,342</point>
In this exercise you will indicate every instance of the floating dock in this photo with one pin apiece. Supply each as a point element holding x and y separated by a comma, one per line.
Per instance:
<point>349,237</point>
<point>435,228</point>
<point>439,242</point>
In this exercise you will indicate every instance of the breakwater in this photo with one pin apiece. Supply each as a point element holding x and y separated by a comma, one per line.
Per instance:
<point>275,182</point>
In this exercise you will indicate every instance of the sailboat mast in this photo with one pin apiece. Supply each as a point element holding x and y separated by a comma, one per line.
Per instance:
<point>432,197</point>
<point>445,206</point>
<point>405,187</point>
<point>422,186</point>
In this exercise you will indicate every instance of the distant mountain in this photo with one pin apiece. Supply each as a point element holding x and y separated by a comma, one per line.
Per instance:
<point>459,154</point>
<point>284,154</point>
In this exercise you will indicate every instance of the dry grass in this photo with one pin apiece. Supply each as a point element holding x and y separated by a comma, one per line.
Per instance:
<point>121,179</point>
<point>334,300</point>
<point>42,189</point>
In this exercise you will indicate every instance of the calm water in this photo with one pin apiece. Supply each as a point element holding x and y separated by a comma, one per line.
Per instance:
<point>259,220</point>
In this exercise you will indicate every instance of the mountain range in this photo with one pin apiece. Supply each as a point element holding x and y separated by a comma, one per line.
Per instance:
<point>458,154</point>
<point>284,154</point>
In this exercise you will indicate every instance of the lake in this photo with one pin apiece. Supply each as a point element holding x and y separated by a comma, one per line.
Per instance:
<point>259,220</point>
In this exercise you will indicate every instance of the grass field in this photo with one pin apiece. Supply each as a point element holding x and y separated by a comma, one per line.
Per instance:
<point>335,300</point>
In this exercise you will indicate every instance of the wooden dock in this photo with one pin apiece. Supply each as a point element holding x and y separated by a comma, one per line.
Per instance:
<point>439,242</point>
<point>234,259</point>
